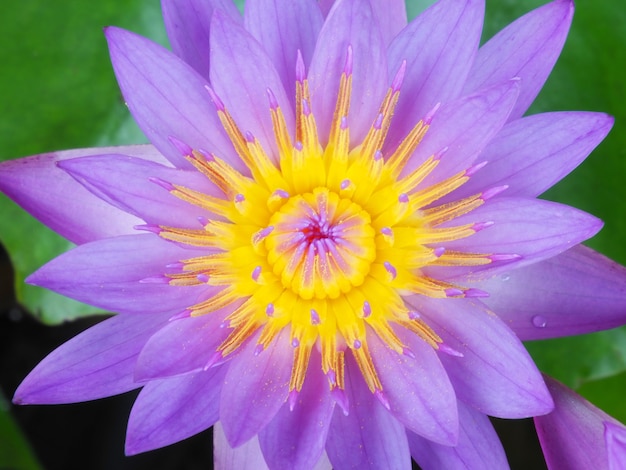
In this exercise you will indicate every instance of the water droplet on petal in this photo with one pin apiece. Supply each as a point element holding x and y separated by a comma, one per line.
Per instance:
<point>539,321</point>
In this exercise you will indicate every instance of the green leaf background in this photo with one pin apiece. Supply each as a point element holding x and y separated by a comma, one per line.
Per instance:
<point>59,92</point>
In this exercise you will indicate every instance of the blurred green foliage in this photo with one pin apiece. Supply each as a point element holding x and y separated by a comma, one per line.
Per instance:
<point>59,92</point>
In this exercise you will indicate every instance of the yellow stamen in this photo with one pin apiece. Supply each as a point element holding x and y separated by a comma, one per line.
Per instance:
<point>324,242</point>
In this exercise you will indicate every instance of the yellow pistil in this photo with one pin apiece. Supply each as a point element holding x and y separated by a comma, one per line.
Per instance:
<point>326,241</point>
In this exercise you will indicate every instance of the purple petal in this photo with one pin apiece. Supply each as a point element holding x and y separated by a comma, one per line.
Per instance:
<point>325,6</point>
<point>255,388</point>
<point>464,127</point>
<point>450,32</point>
<point>391,16</point>
<point>54,198</point>
<point>369,437</point>
<point>95,364</point>
<point>128,183</point>
<point>241,73</point>
<point>615,437</point>
<point>478,445</point>
<point>575,434</point>
<point>247,456</point>
<point>532,154</point>
<point>166,97</point>
<point>418,389</point>
<point>531,228</point>
<point>528,48</point>
<point>170,410</point>
<point>323,463</point>
<point>350,23</point>
<point>496,375</point>
<point>188,22</point>
<point>182,346</point>
<point>296,439</point>
<point>579,291</point>
<point>107,274</point>
<point>284,27</point>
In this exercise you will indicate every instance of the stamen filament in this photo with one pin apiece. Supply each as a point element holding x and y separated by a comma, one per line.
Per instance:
<point>323,243</point>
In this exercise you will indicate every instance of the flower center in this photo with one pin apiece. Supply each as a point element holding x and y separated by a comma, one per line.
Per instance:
<point>321,245</point>
<point>325,242</point>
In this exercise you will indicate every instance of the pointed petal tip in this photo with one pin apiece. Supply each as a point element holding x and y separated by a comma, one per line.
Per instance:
<point>273,102</point>
<point>34,279</point>
<point>32,391</point>
<point>341,399</point>
<point>595,226</point>
<point>111,33</point>
<point>428,119</point>
<point>28,393</point>
<point>184,149</point>
<point>236,440</point>
<point>348,65</point>
<point>19,397</point>
<point>62,164</point>
<point>560,7</point>
<point>396,84</point>
<point>605,122</point>
<point>545,406</point>
<point>544,403</point>
<point>292,399</point>
<point>300,68</point>
<point>132,447</point>
<point>217,102</point>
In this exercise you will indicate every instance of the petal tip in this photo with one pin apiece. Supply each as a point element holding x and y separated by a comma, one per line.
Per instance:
<point>132,447</point>
<point>34,279</point>
<point>28,394</point>
<point>609,119</point>
<point>111,31</point>
<point>18,397</point>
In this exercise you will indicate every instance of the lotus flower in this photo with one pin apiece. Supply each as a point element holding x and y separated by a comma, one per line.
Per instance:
<point>332,248</point>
